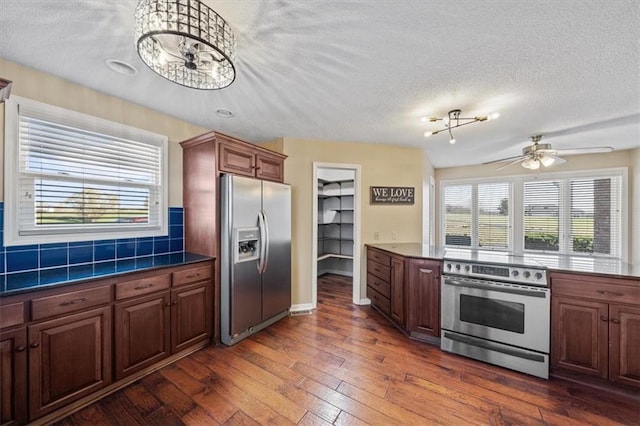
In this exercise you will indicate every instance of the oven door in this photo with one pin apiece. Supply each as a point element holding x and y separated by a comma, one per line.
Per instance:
<point>512,314</point>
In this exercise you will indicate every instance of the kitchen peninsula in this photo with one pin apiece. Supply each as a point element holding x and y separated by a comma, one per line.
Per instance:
<point>594,311</point>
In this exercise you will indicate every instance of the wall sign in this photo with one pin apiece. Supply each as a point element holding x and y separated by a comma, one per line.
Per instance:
<point>391,195</point>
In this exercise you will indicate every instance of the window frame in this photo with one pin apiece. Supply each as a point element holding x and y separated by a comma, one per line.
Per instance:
<point>12,235</point>
<point>475,237</point>
<point>516,210</point>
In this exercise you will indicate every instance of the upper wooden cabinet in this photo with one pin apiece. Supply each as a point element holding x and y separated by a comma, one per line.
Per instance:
<point>596,326</point>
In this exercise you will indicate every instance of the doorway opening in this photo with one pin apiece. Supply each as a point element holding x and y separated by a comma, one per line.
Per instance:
<point>336,226</point>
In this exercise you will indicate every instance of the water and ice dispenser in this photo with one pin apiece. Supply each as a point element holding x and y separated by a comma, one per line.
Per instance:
<point>246,244</point>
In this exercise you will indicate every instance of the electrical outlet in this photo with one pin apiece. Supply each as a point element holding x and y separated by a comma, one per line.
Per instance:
<point>394,235</point>
<point>376,236</point>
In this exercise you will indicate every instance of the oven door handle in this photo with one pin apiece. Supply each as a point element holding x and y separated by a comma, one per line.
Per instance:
<point>487,345</point>
<point>520,291</point>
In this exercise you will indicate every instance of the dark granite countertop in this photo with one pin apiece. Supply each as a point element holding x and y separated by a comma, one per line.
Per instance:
<point>58,277</point>
<point>561,263</point>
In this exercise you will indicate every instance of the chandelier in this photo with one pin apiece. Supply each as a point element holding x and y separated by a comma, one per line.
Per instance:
<point>453,120</point>
<point>186,42</point>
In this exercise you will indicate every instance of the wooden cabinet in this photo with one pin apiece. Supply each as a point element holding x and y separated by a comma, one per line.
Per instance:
<point>13,376</point>
<point>423,309</point>
<point>141,332</point>
<point>69,358</point>
<point>386,284</point>
<point>241,158</point>
<point>397,291</point>
<point>596,326</point>
<point>151,325</point>
<point>190,315</point>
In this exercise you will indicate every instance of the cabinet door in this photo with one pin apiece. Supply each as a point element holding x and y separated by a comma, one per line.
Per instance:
<point>68,358</point>
<point>190,315</point>
<point>397,291</point>
<point>237,159</point>
<point>624,337</point>
<point>13,377</point>
<point>579,335</point>
<point>269,167</point>
<point>424,297</point>
<point>141,332</point>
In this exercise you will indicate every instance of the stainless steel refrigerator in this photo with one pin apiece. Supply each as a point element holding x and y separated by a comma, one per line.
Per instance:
<point>255,255</point>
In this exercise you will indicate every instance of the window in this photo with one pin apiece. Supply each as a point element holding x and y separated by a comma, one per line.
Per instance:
<point>582,213</point>
<point>72,177</point>
<point>477,215</point>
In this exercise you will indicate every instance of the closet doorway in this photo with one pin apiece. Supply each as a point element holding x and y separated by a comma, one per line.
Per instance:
<point>336,225</point>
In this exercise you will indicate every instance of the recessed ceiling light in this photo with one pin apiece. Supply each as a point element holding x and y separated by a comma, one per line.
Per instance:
<point>120,67</point>
<point>224,113</point>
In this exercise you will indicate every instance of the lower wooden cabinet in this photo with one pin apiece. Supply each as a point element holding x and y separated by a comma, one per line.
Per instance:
<point>191,312</point>
<point>397,283</point>
<point>69,358</point>
<point>141,332</point>
<point>423,313</point>
<point>596,327</point>
<point>13,377</point>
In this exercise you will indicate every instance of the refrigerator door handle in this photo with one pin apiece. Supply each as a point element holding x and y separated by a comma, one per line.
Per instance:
<point>267,242</point>
<point>263,242</point>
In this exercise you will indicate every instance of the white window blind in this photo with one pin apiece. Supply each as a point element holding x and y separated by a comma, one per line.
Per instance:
<point>458,219</point>
<point>595,216</point>
<point>78,175</point>
<point>542,206</point>
<point>493,215</point>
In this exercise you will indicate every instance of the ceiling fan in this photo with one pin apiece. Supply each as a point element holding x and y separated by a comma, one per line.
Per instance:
<point>542,154</point>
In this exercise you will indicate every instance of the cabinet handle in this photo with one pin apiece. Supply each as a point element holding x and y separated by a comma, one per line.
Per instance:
<point>610,293</point>
<point>175,302</point>
<point>167,304</point>
<point>605,319</point>
<point>425,271</point>
<point>73,302</point>
<point>142,287</point>
<point>20,348</point>
<point>615,321</point>
<point>34,344</point>
<point>193,276</point>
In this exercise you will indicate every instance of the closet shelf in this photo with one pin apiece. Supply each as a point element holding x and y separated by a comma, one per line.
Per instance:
<point>333,255</point>
<point>342,210</point>
<point>335,239</point>
<point>336,223</point>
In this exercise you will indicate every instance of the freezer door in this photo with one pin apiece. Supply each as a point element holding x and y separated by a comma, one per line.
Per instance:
<point>276,278</point>
<point>245,290</point>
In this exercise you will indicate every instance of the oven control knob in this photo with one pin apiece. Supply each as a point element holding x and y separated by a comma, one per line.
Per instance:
<point>458,267</point>
<point>515,273</point>
<point>538,275</point>
<point>448,266</point>
<point>527,274</point>
<point>466,268</point>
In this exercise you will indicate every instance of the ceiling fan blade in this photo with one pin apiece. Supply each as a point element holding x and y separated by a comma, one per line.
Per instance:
<point>519,157</point>
<point>593,150</point>
<point>559,160</point>
<point>516,161</point>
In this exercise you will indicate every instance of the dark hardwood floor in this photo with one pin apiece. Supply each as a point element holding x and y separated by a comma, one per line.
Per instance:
<point>346,365</point>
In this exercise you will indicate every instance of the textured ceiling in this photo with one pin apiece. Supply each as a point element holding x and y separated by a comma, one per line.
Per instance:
<point>367,71</point>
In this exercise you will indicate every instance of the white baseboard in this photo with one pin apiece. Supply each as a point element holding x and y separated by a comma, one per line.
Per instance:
<point>336,272</point>
<point>301,307</point>
<point>365,301</point>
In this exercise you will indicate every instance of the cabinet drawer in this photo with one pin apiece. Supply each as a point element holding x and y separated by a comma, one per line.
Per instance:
<point>379,301</point>
<point>381,258</point>
<point>601,291</point>
<point>384,288</point>
<point>12,314</point>
<point>69,302</point>
<point>192,275</point>
<point>142,286</point>
<point>380,271</point>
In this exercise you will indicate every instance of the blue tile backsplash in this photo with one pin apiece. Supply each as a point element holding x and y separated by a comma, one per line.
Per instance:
<point>22,266</point>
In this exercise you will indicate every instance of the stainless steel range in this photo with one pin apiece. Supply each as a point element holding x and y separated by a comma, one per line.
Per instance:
<point>496,308</point>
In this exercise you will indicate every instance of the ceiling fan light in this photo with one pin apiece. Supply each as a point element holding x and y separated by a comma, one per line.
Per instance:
<point>493,116</point>
<point>427,134</point>
<point>452,141</point>
<point>547,161</point>
<point>531,164</point>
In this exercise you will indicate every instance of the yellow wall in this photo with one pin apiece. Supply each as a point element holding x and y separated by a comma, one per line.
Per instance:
<point>623,158</point>
<point>38,86</point>
<point>381,165</point>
